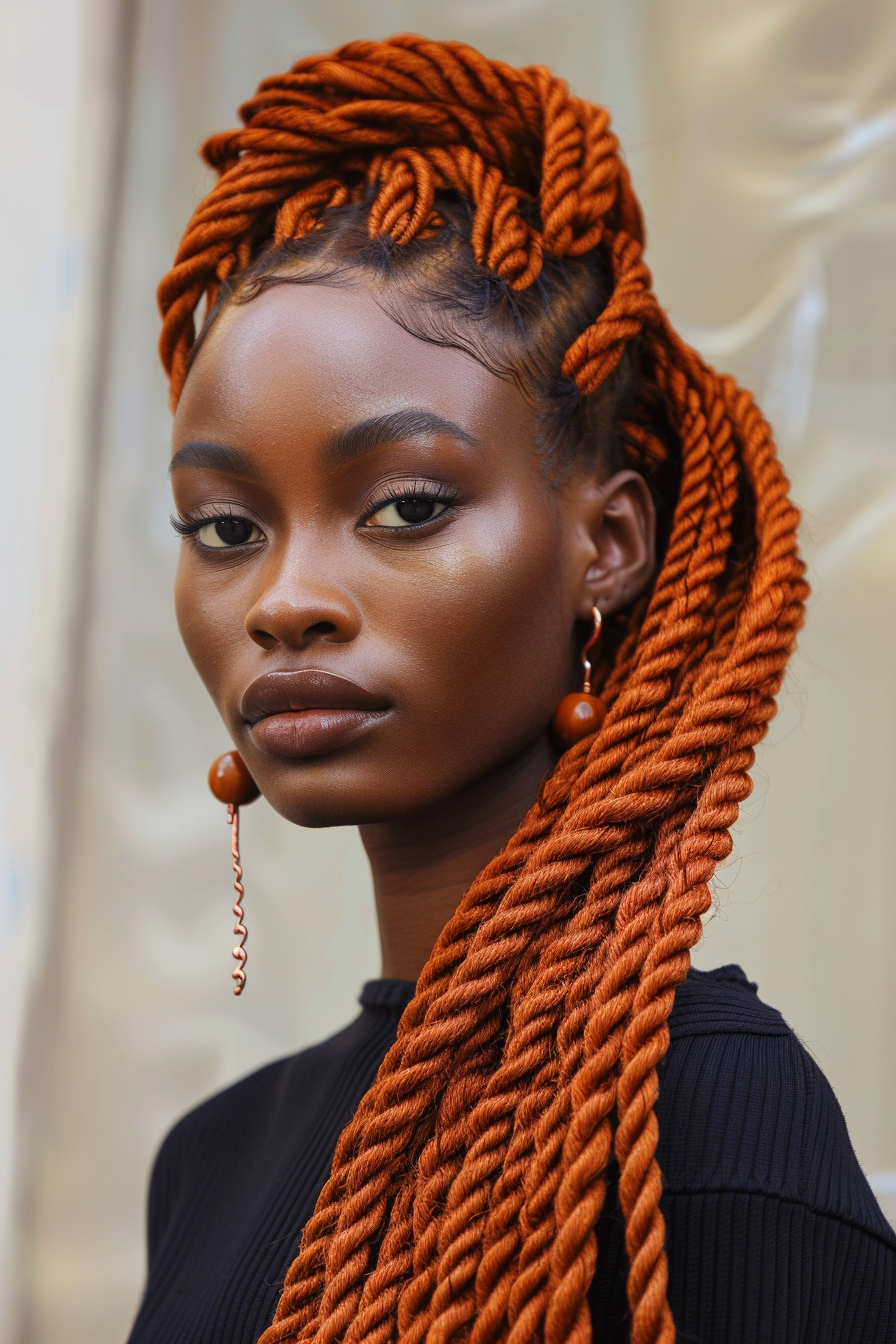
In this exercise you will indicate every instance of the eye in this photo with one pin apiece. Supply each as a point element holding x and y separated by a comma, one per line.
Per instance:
<point>229,531</point>
<point>407,511</point>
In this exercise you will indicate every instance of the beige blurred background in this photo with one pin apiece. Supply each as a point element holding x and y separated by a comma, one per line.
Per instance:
<point>762,138</point>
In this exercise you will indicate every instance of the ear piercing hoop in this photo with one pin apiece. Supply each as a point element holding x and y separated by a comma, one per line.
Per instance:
<point>581,713</point>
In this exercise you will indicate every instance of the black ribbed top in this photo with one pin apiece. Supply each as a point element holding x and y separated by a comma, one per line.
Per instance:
<point>773,1234</point>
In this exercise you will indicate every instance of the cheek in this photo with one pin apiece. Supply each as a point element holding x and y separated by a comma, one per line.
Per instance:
<point>208,620</point>
<point>483,631</point>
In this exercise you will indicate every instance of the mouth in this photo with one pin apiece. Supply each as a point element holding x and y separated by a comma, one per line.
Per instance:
<point>308,713</point>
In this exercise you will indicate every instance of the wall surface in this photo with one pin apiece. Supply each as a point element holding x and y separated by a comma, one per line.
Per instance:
<point>762,139</point>
<point>60,96</point>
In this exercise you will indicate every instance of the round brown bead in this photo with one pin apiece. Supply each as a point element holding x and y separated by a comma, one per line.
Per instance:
<point>230,781</point>
<point>578,715</point>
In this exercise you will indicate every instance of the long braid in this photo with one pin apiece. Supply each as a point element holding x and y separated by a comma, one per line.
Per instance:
<point>465,1191</point>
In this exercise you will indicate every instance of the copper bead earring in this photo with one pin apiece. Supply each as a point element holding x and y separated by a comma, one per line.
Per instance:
<point>581,713</point>
<point>231,783</point>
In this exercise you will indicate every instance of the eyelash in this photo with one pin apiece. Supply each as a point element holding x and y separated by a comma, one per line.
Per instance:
<point>190,524</point>
<point>434,492</point>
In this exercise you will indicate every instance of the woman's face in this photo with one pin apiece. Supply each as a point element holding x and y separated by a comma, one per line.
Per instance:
<point>379,588</point>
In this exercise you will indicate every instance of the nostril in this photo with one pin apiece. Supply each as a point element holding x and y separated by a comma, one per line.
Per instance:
<point>294,627</point>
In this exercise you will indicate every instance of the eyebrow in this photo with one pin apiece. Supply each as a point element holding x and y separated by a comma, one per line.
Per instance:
<point>348,444</point>
<point>214,457</point>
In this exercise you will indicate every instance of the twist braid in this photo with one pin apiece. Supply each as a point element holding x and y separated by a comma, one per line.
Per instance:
<point>464,1193</point>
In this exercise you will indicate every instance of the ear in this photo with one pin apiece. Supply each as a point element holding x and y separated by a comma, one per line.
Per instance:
<point>615,522</point>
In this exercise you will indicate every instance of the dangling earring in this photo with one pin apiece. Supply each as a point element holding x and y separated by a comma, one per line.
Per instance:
<point>231,783</point>
<point>580,712</point>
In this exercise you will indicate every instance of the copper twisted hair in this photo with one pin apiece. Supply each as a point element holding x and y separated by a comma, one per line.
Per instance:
<point>464,1194</point>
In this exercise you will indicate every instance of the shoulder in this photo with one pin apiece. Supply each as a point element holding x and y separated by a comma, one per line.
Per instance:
<point>208,1139</point>
<point>284,1111</point>
<point>744,1108</point>
<point>723,1001</point>
<point>262,1093</point>
<point>215,1130</point>
<point>219,1115</point>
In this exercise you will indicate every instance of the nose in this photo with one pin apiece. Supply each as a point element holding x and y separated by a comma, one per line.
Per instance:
<point>301,604</point>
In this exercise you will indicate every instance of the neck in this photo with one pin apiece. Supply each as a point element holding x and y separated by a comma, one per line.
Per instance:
<point>423,864</point>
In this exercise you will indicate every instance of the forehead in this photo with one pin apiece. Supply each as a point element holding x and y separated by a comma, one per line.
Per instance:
<point>331,357</point>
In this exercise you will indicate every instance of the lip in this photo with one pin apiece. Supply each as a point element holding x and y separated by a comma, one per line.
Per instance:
<point>308,712</point>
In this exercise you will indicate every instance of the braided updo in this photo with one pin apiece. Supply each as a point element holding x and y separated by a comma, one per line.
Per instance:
<point>464,1193</point>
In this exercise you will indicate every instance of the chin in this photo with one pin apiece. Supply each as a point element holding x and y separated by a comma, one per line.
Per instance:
<point>318,813</point>
<point>328,798</point>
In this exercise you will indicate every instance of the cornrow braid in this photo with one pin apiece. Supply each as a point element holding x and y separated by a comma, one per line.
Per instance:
<point>464,1193</point>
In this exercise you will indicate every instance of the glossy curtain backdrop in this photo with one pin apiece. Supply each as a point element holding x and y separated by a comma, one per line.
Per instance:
<point>762,139</point>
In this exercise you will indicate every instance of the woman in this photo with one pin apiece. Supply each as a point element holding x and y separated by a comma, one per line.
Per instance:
<point>436,447</point>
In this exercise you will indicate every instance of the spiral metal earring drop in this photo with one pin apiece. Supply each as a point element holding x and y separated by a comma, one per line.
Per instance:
<point>581,713</point>
<point>231,783</point>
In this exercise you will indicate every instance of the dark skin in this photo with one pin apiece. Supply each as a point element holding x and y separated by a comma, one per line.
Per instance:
<point>369,510</point>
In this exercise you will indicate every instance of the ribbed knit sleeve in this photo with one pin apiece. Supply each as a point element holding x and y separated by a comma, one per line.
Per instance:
<point>773,1235</point>
<point>758,1269</point>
